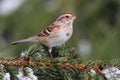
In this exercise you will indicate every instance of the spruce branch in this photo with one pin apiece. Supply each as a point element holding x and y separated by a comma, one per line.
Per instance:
<point>28,62</point>
<point>66,65</point>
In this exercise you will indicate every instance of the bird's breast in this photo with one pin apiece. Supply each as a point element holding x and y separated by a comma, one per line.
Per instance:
<point>62,36</point>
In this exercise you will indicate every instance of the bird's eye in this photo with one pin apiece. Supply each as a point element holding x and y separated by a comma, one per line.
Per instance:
<point>67,16</point>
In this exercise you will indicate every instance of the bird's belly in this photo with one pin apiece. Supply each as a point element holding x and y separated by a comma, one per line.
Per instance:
<point>60,39</point>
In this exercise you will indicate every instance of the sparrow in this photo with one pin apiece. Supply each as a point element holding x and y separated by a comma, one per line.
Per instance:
<point>56,34</point>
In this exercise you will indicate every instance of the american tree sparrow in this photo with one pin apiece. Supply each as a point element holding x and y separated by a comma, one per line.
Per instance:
<point>55,34</point>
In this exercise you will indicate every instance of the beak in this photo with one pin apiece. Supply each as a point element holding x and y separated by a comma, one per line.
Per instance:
<point>73,18</point>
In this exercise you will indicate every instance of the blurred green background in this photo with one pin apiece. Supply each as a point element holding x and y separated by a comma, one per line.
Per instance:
<point>96,29</point>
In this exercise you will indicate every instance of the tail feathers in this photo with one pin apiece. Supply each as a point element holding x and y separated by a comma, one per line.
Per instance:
<point>20,41</point>
<point>30,39</point>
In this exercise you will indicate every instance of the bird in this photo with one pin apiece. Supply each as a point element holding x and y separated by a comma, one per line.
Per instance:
<point>56,34</point>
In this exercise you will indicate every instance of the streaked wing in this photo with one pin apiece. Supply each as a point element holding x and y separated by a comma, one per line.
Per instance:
<point>49,30</point>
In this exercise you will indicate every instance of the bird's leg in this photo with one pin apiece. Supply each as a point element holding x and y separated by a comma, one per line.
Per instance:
<point>50,50</point>
<point>63,46</point>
